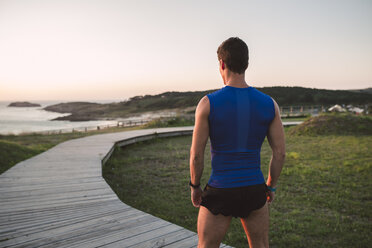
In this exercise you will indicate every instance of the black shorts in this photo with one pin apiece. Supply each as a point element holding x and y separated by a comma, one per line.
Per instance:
<point>236,202</point>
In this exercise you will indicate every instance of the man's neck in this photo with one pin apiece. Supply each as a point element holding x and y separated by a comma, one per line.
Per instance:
<point>236,80</point>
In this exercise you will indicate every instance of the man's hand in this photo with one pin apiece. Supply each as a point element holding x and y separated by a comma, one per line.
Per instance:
<point>270,196</point>
<point>196,196</point>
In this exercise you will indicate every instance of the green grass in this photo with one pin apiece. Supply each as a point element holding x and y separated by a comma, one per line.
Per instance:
<point>11,153</point>
<point>324,197</point>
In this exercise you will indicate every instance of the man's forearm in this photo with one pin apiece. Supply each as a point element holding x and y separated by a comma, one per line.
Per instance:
<point>196,168</point>
<point>275,168</point>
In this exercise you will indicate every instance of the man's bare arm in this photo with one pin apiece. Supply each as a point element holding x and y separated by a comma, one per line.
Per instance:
<point>277,143</point>
<point>199,141</point>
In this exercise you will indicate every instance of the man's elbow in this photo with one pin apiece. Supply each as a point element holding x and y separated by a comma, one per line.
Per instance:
<point>195,158</point>
<point>279,155</point>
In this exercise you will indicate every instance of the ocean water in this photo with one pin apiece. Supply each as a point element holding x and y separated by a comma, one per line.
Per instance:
<point>16,120</point>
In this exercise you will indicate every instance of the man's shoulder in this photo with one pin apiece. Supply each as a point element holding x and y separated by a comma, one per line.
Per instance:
<point>203,107</point>
<point>261,94</point>
<point>216,93</point>
<point>204,100</point>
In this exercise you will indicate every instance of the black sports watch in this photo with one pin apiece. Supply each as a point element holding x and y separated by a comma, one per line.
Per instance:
<point>194,186</point>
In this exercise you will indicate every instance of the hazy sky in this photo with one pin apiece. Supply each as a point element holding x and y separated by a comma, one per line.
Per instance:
<point>93,50</point>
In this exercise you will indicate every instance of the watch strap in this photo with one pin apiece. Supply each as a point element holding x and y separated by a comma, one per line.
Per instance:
<point>194,186</point>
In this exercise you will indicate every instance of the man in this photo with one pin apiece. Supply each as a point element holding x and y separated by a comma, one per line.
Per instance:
<point>236,118</point>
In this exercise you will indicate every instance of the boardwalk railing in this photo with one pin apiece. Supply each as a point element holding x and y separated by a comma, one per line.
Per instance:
<point>302,110</point>
<point>97,127</point>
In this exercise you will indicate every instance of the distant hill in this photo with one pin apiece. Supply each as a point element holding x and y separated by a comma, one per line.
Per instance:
<point>180,100</point>
<point>367,90</point>
<point>311,96</point>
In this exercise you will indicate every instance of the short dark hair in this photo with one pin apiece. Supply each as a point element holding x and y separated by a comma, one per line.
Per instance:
<point>234,52</point>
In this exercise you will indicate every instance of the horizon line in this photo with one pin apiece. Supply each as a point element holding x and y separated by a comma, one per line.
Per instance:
<point>126,98</point>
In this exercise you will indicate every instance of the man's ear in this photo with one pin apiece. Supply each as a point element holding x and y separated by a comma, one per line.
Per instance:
<point>222,64</point>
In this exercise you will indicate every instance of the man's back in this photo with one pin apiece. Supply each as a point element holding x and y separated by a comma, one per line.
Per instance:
<point>239,119</point>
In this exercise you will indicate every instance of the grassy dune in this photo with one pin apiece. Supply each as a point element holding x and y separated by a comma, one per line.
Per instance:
<point>335,124</point>
<point>323,200</point>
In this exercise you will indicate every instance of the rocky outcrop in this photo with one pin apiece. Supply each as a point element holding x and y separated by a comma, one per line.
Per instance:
<point>72,107</point>
<point>23,104</point>
<point>79,111</point>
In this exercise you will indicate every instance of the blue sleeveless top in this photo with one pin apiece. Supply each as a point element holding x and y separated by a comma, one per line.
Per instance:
<point>239,119</point>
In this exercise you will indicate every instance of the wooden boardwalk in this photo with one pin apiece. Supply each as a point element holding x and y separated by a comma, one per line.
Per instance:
<point>59,199</point>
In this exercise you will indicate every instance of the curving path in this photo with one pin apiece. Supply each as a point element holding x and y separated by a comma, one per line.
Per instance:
<point>59,199</point>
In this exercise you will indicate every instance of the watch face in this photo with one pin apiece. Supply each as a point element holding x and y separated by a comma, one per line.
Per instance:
<point>192,185</point>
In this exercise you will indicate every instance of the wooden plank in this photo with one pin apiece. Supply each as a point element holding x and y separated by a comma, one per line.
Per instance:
<point>48,180</point>
<point>40,191</point>
<point>185,243</point>
<point>62,197</point>
<point>51,186</point>
<point>105,238</point>
<point>64,203</point>
<point>135,240</point>
<point>87,235</point>
<point>79,228</point>
<point>9,185</point>
<point>168,238</point>
<point>53,218</point>
<point>47,194</point>
<point>35,225</point>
